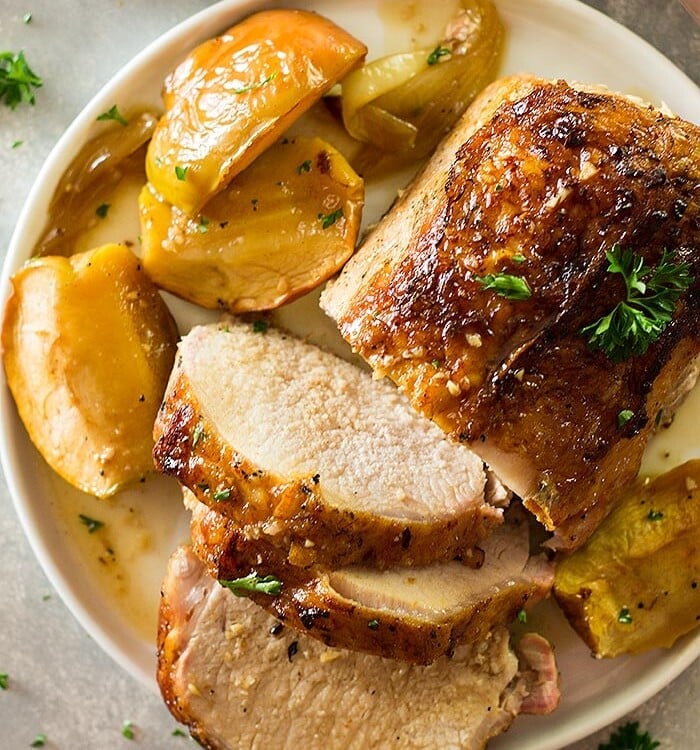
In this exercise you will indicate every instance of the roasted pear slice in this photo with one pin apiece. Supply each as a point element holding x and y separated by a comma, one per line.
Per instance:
<point>235,95</point>
<point>280,228</point>
<point>88,345</point>
<point>636,584</point>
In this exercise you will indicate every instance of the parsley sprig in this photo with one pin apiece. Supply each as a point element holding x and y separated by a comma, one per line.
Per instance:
<point>506,285</point>
<point>628,737</point>
<point>17,79</point>
<point>651,294</point>
<point>254,584</point>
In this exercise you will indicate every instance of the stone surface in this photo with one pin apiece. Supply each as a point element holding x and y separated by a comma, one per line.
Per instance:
<point>60,682</point>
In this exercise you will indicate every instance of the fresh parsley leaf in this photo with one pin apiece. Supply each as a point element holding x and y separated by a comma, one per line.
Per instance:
<point>437,53</point>
<point>113,113</point>
<point>4,680</point>
<point>328,220</point>
<point>636,322</point>
<point>181,173</point>
<point>624,417</point>
<point>39,741</point>
<point>17,79</point>
<point>128,730</point>
<point>506,285</point>
<point>253,86</point>
<point>91,523</point>
<point>102,210</point>
<point>254,584</point>
<point>628,737</point>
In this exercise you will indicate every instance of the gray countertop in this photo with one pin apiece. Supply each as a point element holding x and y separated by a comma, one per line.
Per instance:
<point>61,683</point>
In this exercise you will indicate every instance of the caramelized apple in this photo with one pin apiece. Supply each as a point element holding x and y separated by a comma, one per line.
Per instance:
<point>282,226</point>
<point>233,96</point>
<point>88,345</point>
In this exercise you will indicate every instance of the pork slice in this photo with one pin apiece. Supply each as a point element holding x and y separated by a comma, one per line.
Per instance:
<point>537,181</point>
<point>309,453</point>
<point>412,614</point>
<point>240,680</point>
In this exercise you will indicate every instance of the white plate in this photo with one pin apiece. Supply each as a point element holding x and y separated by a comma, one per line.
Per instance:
<point>116,602</point>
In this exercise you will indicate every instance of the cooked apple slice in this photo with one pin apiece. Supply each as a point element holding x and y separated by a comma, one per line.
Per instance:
<point>88,345</point>
<point>234,95</point>
<point>280,228</point>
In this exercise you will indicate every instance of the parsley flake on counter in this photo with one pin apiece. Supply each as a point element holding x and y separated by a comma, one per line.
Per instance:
<point>17,79</point>
<point>27,18</point>
<point>178,733</point>
<point>128,730</point>
<point>506,285</point>
<point>624,417</point>
<point>628,737</point>
<point>16,144</point>
<point>436,54</point>
<point>633,325</point>
<point>327,220</point>
<point>4,680</point>
<point>655,515</point>
<point>113,113</point>
<point>39,741</point>
<point>181,173</point>
<point>92,524</point>
<point>102,210</point>
<point>254,584</point>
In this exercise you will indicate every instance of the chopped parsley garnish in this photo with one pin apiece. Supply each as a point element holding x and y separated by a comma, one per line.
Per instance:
<point>506,285</point>
<point>113,113</point>
<point>181,173</point>
<point>624,617</point>
<point>16,144</point>
<point>651,294</point>
<point>27,18</point>
<point>128,730</point>
<point>17,79</point>
<point>197,434</point>
<point>179,733</point>
<point>222,495</point>
<point>102,210</point>
<point>624,417</point>
<point>92,524</point>
<point>328,220</point>
<point>373,624</point>
<point>628,737</point>
<point>253,86</point>
<point>437,53</point>
<point>305,166</point>
<point>260,326</point>
<point>39,741</point>
<point>4,680</point>
<point>522,616</point>
<point>518,258</point>
<point>254,584</point>
<point>203,225</point>
<point>655,515</point>
<point>436,364</point>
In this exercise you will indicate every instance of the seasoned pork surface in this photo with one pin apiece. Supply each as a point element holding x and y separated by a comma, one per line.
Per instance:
<point>241,680</point>
<point>413,614</point>
<point>537,181</point>
<point>307,453</point>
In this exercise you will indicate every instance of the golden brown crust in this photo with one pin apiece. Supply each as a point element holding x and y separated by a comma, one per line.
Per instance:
<point>292,514</point>
<point>308,603</point>
<point>554,179</point>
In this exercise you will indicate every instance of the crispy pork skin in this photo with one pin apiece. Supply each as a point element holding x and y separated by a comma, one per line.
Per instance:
<point>241,680</point>
<point>306,452</point>
<point>538,180</point>
<point>413,614</point>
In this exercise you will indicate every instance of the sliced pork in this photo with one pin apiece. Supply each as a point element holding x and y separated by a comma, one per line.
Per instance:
<point>307,453</point>
<point>413,614</point>
<point>242,681</point>
<point>536,183</point>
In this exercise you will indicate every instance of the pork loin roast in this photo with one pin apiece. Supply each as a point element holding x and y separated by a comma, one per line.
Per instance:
<point>240,680</point>
<point>537,181</point>
<point>308,453</point>
<point>413,614</point>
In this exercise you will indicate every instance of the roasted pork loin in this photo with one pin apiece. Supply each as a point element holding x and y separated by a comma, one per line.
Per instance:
<point>306,452</point>
<point>240,680</point>
<point>537,181</point>
<point>412,614</point>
